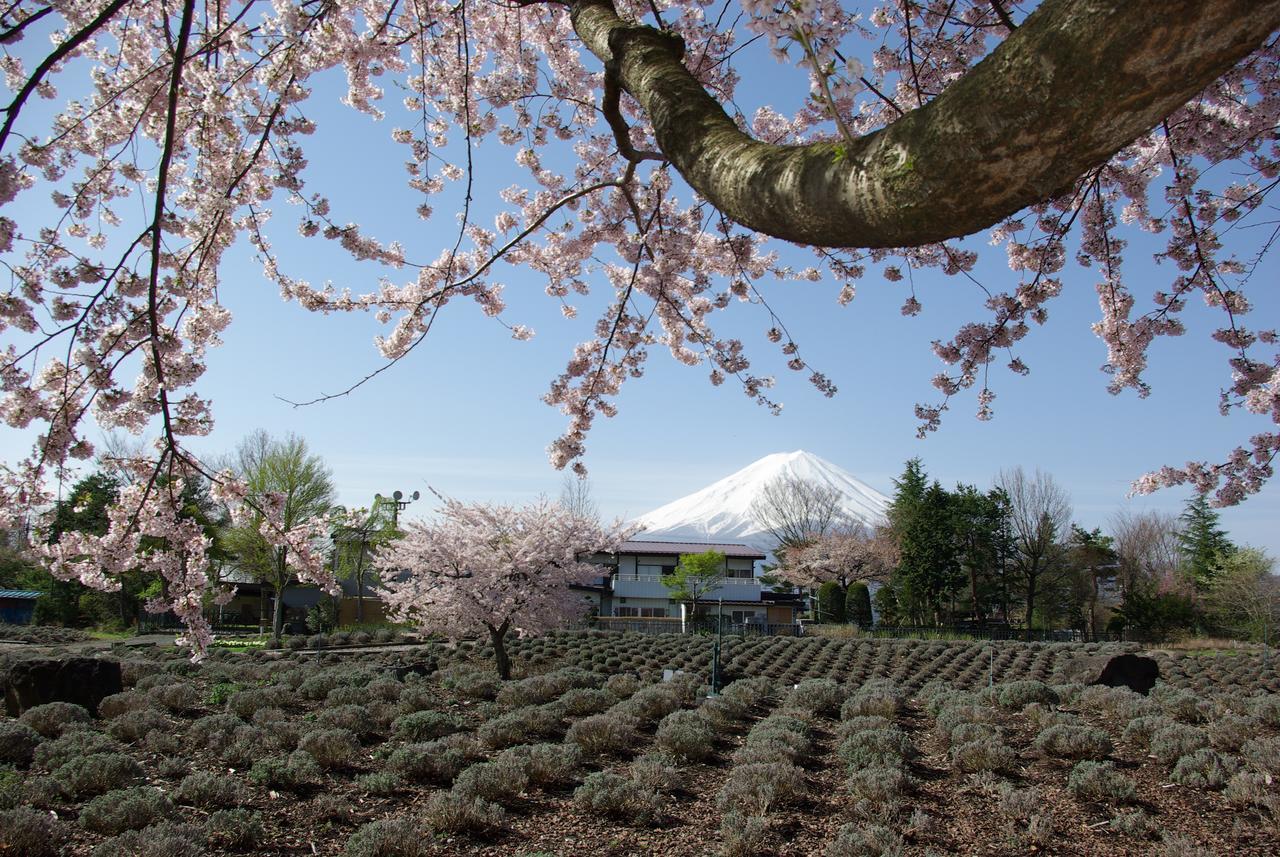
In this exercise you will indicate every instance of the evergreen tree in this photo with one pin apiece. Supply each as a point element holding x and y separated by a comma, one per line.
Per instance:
<point>929,562</point>
<point>1203,542</point>
<point>831,604</point>
<point>857,605</point>
<point>978,521</point>
<point>83,510</point>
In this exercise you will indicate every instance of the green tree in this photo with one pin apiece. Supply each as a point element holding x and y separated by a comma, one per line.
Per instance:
<point>1244,597</point>
<point>857,605</point>
<point>357,537</point>
<point>695,576</point>
<point>929,561</point>
<point>1148,614</point>
<point>978,520</point>
<point>1039,512</point>
<point>1202,541</point>
<point>1094,557</point>
<point>305,485</point>
<point>831,603</point>
<point>69,602</point>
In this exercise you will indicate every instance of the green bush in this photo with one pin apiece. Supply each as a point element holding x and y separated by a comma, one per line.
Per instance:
<point>609,795</point>
<point>296,772</point>
<point>449,812</point>
<point>499,781</point>
<point>138,725</point>
<point>234,829</point>
<point>97,773</point>
<point>18,743</point>
<point>686,735</point>
<point>1073,742</point>
<point>853,840</point>
<point>857,605</point>
<point>54,718</point>
<point>208,789</point>
<point>1100,781</point>
<point>162,839</point>
<point>1205,769</point>
<point>547,764</point>
<point>28,832</point>
<point>381,783</point>
<point>398,836</point>
<point>331,748</point>
<point>424,726</point>
<point>604,734</point>
<point>124,809</point>
<point>74,745</point>
<point>757,788</point>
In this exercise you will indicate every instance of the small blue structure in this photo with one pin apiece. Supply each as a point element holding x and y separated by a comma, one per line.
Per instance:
<point>18,606</point>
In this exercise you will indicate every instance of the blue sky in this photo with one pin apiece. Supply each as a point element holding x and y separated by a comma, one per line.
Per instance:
<point>463,414</point>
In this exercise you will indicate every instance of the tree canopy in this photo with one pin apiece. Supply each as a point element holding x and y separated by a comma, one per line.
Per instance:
<point>179,129</point>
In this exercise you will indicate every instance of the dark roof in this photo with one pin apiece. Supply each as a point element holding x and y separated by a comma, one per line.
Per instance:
<point>677,548</point>
<point>28,594</point>
<point>781,597</point>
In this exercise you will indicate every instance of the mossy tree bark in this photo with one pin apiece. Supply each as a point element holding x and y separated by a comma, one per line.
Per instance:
<point>1077,81</point>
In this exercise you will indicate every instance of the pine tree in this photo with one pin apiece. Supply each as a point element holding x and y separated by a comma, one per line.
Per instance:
<point>1203,542</point>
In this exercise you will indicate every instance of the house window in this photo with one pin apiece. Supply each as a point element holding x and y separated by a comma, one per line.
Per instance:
<point>640,612</point>
<point>654,570</point>
<point>742,616</point>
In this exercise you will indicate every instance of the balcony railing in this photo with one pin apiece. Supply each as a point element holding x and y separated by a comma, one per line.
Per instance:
<point>654,578</point>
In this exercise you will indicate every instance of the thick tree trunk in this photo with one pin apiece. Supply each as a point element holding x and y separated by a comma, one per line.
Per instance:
<point>277,613</point>
<point>1077,81</point>
<point>501,659</point>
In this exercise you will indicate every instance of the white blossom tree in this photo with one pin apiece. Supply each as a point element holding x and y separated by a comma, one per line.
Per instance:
<point>649,174</point>
<point>851,553</point>
<point>497,569</point>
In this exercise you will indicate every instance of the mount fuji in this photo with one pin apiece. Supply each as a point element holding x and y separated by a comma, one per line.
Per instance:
<point>721,512</point>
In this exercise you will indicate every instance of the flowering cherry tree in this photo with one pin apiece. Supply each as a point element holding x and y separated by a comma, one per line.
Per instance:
<point>649,176</point>
<point>493,568</point>
<point>846,555</point>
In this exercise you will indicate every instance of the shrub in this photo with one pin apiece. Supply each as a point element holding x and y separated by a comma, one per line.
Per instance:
<point>872,748</point>
<point>655,772</point>
<point>207,789</point>
<point>180,698</point>
<point>1172,742</point>
<point>42,792</point>
<point>1073,742</point>
<point>138,725</point>
<point>54,718</point>
<point>398,836</point>
<point>124,809</point>
<point>604,734</point>
<point>521,726</point>
<point>743,835</point>
<point>650,704</point>
<point>872,841</point>
<point>430,762</point>
<point>215,729</point>
<point>234,829</point>
<point>424,726</point>
<point>97,773</point>
<point>162,839</point>
<point>582,701</point>
<point>1204,769</point>
<point>607,794</point>
<point>471,684</point>
<point>755,788</point>
<point>878,784</point>
<point>29,832</point>
<point>381,783</point>
<point>295,772</point>
<point>622,685</point>
<point>244,703</point>
<point>355,718</point>
<point>18,743</point>
<point>1247,788</point>
<point>821,696</point>
<point>1262,754</point>
<point>1100,781</point>
<point>1231,731</point>
<point>331,748</point>
<point>1181,845</point>
<point>73,745</point>
<point>686,735</point>
<point>449,812</point>
<point>346,695</point>
<point>874,698</point>
<point>987,753</point>
<point>499,781</point>
<point>1135,823</point>
<point>546,764</point>
<point>1016,695</point>
<point>117,704</point>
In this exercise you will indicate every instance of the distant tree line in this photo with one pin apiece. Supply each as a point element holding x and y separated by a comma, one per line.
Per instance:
<point>1011,556</point>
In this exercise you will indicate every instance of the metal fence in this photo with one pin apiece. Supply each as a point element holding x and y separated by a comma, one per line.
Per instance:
<point>981,632</point>
<point>697,625</point>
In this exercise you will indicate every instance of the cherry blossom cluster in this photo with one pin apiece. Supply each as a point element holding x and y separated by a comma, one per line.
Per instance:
<point>480,566</point>
<point>848,554</point>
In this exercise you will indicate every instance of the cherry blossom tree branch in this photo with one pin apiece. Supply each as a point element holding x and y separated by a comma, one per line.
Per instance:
<point>1020,127</point>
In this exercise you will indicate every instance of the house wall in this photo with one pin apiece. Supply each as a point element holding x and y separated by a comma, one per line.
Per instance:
<point>639,577</point>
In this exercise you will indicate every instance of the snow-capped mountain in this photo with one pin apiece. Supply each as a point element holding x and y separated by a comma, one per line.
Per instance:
<point>721,512</point>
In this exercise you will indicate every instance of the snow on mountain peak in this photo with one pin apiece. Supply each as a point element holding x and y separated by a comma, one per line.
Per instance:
<point>721,512</point>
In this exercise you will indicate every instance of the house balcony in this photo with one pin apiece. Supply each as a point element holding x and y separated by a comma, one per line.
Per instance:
<point>650,586</point>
